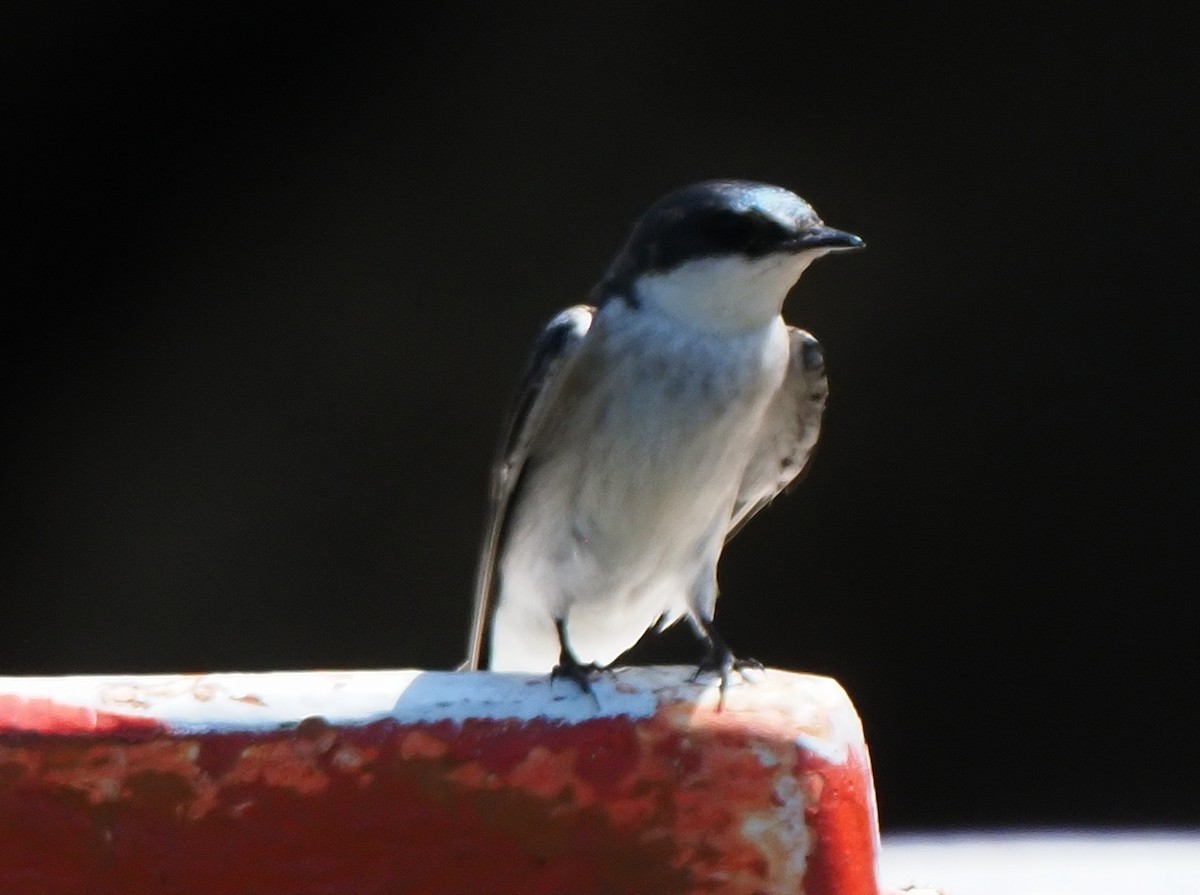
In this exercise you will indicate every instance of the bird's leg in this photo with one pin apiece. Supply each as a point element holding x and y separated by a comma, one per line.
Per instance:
<point>570,667</point>
<point>719,659</point>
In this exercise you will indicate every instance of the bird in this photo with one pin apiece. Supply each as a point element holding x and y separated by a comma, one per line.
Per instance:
<point>651,424</point>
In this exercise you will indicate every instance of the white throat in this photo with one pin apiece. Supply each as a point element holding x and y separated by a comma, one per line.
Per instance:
<point>725,294</point>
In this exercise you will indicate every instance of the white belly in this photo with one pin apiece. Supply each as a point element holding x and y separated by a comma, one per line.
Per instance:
<point>622,511</point>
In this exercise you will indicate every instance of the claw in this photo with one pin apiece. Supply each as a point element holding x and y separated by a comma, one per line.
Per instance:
<point>572,669</point>
<point>721,661</point>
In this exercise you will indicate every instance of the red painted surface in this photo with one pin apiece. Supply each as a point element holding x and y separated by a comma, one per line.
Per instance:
<point>840,810</point>
<point>686,800</point>
<point>48,716</point>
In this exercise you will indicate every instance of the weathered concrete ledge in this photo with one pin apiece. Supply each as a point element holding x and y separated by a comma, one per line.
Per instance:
<point>432,782</point>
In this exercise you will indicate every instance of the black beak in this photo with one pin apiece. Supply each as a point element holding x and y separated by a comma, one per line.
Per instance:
<point>822,237</point>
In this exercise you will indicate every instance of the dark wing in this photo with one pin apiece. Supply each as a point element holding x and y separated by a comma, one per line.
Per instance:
<point>789,434</point>
<point>552,354</point>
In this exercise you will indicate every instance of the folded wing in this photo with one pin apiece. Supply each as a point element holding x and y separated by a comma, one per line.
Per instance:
<point>791,427</point>
<point>552,355</point>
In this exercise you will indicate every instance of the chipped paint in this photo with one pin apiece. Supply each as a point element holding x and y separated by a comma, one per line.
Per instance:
<point>378,782</point>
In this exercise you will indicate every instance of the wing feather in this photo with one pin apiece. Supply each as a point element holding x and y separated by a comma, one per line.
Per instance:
<point>553,352</point>
<point>789,435</point>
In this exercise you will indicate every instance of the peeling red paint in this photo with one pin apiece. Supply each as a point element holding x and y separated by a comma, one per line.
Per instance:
<point>681,802</point>
<point>45,716</point>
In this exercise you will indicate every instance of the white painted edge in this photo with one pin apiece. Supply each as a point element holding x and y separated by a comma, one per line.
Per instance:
<point>817,706</point>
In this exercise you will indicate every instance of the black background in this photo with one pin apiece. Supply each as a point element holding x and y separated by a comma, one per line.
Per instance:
<point>274,274</point>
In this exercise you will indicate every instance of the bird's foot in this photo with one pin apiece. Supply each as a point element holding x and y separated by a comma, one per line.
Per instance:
<point>579,674</point>
<point>571,668</point>
<point>721,662</point>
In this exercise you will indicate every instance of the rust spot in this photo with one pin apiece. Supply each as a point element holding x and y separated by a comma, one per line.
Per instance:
<point>218,755</point>
<point>312,728</point>
<point>158,792</point>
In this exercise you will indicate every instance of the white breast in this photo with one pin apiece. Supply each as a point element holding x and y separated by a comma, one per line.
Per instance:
<point>630,486</point>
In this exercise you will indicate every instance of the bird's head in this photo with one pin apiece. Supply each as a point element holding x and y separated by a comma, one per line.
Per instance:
<point>722,254</point>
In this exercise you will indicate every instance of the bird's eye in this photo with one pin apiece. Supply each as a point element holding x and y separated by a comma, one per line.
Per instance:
<point>670,239</point>
<point>731,232</point>
<point>744,233</point>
